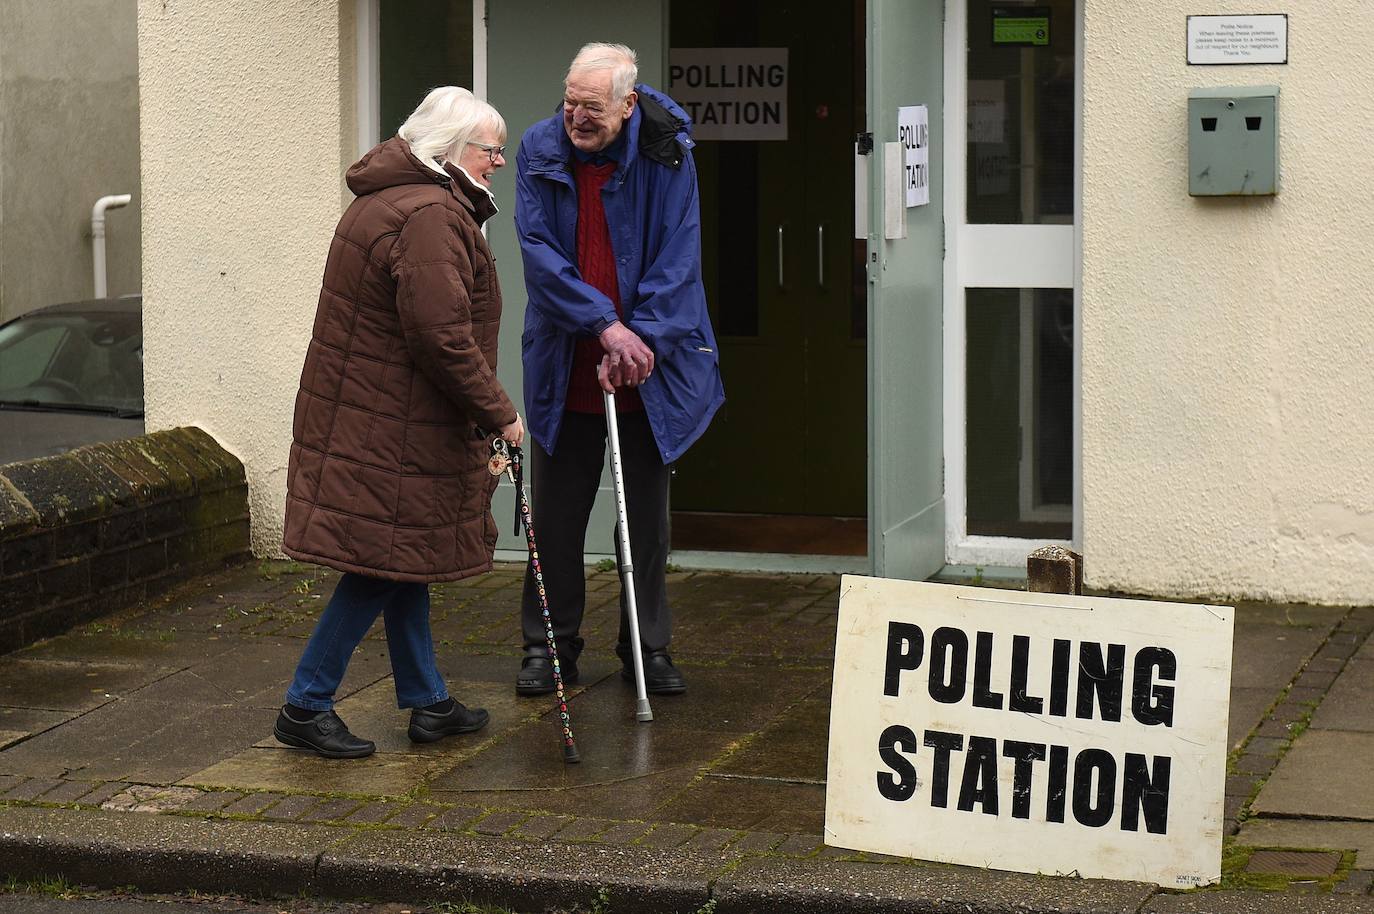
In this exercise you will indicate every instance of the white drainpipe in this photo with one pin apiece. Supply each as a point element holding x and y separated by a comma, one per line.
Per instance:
<point>114,201</point>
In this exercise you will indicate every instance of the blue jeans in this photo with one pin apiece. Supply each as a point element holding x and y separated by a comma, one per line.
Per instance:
<point>355,605</point>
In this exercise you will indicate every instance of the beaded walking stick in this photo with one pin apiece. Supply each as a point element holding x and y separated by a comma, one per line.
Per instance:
<point>507,459</point>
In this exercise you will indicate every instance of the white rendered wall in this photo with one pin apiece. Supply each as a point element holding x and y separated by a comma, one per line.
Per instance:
<point>1228,419</point>
<point>247,125</point>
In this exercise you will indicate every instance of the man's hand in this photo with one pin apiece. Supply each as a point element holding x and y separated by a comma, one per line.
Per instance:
<point>628,361</point>
<point>515,432</point>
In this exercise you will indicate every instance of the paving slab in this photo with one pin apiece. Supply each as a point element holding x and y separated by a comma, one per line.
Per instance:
<point>792,747</point>
<point>789,886</point>
<point>153,742</point>
<point>20,723</point>
<point>1248,707</point>
<point>296,771</point>
<point>1350,703</point>
<point>631,798</point>
<point>1315,834</point>
<point>1324,775</point>
<point>1270,656</point>
<point>60,685</point>
<point>755,805</point>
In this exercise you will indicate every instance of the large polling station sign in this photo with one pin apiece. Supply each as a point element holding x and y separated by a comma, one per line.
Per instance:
<point>1030,731</point>
<point>731,93</point>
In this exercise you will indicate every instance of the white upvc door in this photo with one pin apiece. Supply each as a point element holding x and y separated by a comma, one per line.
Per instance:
<point>1011,325</point>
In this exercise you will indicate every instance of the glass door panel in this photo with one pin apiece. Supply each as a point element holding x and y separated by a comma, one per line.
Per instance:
<point>1019,383</point>
<point>1011,277</point>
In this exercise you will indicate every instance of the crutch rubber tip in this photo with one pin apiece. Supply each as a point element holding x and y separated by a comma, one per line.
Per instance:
<point>643,713</point>
<point>570,756</point>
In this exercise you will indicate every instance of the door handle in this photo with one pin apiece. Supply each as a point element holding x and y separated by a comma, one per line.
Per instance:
<point>820,254</point>
<point>780,246</point>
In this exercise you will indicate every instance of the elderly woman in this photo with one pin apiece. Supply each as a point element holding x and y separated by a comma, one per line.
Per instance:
<point>387,479</point>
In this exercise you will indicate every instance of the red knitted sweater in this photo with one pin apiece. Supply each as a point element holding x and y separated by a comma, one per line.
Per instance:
<point>596,263</point>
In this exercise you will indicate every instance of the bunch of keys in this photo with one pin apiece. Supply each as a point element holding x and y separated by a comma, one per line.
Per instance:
<point>500,462</point>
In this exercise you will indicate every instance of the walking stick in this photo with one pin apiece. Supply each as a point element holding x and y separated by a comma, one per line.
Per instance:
<point>643,712</point>
<point>508,459</point>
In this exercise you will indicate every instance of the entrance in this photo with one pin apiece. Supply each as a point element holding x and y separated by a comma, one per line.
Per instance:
<point>784,465</point>
<point>1010,319</point>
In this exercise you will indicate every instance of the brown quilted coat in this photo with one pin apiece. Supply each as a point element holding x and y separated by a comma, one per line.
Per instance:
<point>387,477</point>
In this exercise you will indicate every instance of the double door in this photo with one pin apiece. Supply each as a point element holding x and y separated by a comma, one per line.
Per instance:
<point>785,276</point>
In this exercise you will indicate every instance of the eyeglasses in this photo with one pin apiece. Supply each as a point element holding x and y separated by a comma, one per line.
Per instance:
<point>493,152</point>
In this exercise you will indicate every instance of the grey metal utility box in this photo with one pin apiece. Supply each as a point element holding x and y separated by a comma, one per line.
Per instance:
<point>1233,141</point>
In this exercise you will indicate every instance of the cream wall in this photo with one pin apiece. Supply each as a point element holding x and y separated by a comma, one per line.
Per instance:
<point>247,120</point>
<point>1228,421</point>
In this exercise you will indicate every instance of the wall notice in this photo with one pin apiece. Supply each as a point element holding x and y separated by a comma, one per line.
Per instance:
<point>731,93</point>
<point>1214,40</point>
<point>913,130</point>
<point>1030,731</point>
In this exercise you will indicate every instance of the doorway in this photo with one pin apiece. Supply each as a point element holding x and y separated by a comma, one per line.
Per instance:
<point>1011,316</point>
<point>777,94</point>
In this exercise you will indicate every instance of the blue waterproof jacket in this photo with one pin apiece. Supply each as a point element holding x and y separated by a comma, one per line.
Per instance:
<point>653,214</point>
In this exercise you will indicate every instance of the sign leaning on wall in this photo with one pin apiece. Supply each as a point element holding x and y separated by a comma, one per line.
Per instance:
<point>731,93</point>
<point>1030,731</point>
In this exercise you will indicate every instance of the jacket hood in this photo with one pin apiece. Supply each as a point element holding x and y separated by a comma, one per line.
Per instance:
<point>392,164</point>
<point>658,129</point>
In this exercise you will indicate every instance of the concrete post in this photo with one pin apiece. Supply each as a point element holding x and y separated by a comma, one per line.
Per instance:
<point>1054,569</point>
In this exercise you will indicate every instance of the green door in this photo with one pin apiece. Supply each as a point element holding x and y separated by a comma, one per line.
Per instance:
<point>783,270</point>
<point>906,291</point>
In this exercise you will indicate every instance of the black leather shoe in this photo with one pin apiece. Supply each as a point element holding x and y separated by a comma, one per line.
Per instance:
<point>660,676</point>
<point>536,675</point>
<point>325,734</point>
<point>428,726</point>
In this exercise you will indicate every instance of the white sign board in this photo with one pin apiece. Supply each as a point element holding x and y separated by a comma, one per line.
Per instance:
<point>913,131</point>
<point>987,110</point>
<point>1029,731</point>
<point>731,93</point>
<point>1238,39</point>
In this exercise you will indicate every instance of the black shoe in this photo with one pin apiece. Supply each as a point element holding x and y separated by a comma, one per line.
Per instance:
<point>427,726</point>
<point>660,676</point>
<point>536,675</point>
<point>325,733</point>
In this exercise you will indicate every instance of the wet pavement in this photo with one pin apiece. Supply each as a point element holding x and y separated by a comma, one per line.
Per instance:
<point>162,717</point>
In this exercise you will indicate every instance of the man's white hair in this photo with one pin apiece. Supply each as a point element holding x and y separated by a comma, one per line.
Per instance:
<point>442,124</point>
<point>622,61</point>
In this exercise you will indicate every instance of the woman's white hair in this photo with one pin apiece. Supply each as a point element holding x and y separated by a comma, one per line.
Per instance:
<point>442,124</point>
<point>620,60</point>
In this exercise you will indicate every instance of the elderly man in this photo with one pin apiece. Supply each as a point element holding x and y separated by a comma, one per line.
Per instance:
<point>607,213</point>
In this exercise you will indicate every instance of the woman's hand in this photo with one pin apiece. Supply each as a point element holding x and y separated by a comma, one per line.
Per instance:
<point>515,432</point>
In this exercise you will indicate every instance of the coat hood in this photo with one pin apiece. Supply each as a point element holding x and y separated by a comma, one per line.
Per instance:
<point>392,164</point>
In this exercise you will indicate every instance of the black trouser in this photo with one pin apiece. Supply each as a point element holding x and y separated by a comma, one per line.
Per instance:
<point>564,490</point>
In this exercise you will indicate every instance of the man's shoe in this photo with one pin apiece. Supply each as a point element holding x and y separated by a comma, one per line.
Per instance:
<point>325,734</point>
<point>660,676</point>
<point>536,675</point>
<point>427,726</point>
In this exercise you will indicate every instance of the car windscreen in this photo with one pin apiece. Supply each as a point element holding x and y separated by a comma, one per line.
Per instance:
<point>73,360</point>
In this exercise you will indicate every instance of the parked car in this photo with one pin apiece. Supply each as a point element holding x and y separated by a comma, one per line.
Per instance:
<point>71,375</point>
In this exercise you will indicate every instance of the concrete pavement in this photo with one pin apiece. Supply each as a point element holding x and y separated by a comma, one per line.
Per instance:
<point>138,750</point>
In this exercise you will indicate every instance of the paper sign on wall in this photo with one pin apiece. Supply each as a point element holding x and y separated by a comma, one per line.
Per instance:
<point>913,131</point>
<point>731,93</point>
<point>1261,39</point>
<point>1030,731</point>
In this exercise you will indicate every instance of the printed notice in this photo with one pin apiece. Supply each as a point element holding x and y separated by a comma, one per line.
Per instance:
<point>1216,40</point>
<point>913,129</point>
<point>731,93</point>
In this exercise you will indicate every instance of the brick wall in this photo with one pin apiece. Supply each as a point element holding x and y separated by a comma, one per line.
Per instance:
<point>107,526</point>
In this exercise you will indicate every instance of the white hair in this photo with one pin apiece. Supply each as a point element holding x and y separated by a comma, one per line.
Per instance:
<point>619,59</point>
<point>442,124</point>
